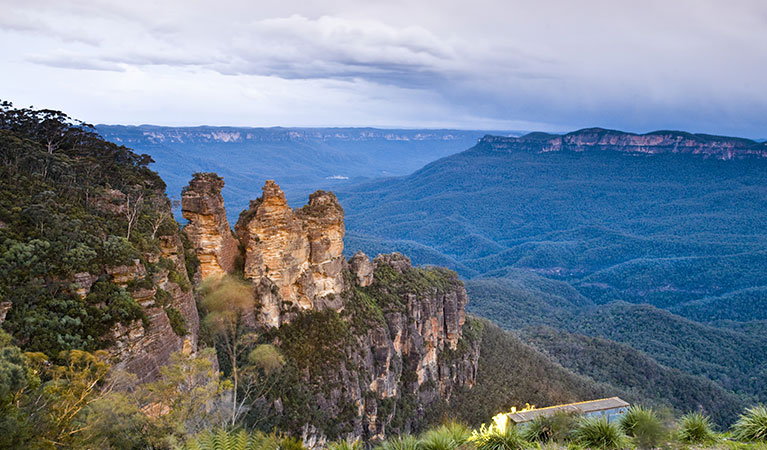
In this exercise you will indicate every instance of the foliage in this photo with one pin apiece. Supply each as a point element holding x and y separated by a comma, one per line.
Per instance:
<point>752,425</point>
<point>222,439</point>
<point>528,377</point>
<point>187,399</point>
<point>598,433</point>
<point>644,425</point>
<point>345,444</point>
<point>225,300</point>
<point>543,429</point>
<point>498,436</point>
<point>177,321</point>
<point>695,428</point>
<point>636,377</point>
<point>64,192</point>
<point>449,436</point>
<point>400,442</point>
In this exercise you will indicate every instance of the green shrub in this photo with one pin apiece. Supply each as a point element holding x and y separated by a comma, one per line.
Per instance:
<point>177,322</point>
<point>232,440</point>
<point>695,428</point>
<point>644,426</point>
<point>402,442</point>
<point>554,428</point>
<point>118,251</point>
<point>445,437</point>
<point>499,438</point>
<point>291,443</point>
<point>438,439</point>
<point>345,445</point>
<point>752,425</point>
<point>597,432</point>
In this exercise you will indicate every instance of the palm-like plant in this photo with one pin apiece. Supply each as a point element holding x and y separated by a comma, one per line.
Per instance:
<point>499,436</point>
<point>752,425</point>
<point>644,426</point>
<point>598,433</point>
<point>696,428</point>
<point>403,442</point>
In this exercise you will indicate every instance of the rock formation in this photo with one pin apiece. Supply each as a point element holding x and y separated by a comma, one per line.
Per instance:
<point>374,344</point>
<point>298,254</point>
<point>203,206</point>
<point>719,147</point>
<point>362,269</point>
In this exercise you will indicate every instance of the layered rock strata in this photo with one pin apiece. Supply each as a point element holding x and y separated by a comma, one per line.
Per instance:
<point>294,257</point>
<point>657,142</point>
<point>208,229</point>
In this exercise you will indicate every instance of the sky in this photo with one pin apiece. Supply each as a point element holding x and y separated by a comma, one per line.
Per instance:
<point>551,65</point>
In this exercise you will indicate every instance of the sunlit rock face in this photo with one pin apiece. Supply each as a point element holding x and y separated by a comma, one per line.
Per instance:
<point>297,253</point>
<point>208,230</point>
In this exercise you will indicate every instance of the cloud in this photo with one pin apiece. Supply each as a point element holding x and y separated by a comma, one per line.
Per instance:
<point>694,64</point>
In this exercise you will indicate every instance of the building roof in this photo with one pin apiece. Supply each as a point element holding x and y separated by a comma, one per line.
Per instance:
<point>575,408</point>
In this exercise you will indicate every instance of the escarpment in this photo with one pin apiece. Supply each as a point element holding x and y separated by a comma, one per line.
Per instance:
<point>370,345</point>
<point>656,142</point>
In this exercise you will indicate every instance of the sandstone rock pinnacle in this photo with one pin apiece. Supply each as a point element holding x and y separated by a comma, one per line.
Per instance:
<point>203,206</point>
<point>297,254</point>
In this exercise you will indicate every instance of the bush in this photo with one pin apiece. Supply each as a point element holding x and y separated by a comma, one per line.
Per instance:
<point>752,425</point>
<point>499,437</point>
<point>695,428</point>
<point>291,443</point>
<point>597,432</point>
<point>345,445</point>
<point>644,426</point>
<point>440,438</point>
<point>176,319</point>
<point>403,442</point>
<point>545,429</point>
<point>232,440</point>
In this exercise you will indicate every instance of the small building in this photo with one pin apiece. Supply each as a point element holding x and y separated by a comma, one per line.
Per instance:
<point>611,408</point>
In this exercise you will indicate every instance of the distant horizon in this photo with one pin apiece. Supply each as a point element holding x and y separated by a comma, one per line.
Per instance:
<point>519,133</point>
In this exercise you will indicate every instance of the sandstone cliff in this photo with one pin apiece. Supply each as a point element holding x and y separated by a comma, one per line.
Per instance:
<point>208,230</point>
<point>657,142</point>
<point>371,346</point>
<point>299,254</point>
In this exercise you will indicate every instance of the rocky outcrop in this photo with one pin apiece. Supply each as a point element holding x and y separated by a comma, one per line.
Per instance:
<point>372,345</point>
<point>208,230</point>
<point>405,351</point>
<point>295,253</point>
<point>141,348</point>
<point>362,269</point>
<point>657,142</point>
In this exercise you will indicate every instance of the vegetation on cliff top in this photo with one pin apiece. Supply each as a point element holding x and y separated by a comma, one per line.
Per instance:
<point>71,203</point>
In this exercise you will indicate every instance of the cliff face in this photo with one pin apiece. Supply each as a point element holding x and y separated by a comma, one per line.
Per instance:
<point>162,288</point>
<point>657,142</point>
<point>208,230</point>
<point>143,350</point>
<point>299,254</point>
<point>370,345</point>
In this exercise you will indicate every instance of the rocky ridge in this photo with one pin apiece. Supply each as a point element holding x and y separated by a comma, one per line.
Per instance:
<point>656,142</point>
<point>373,343</point>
